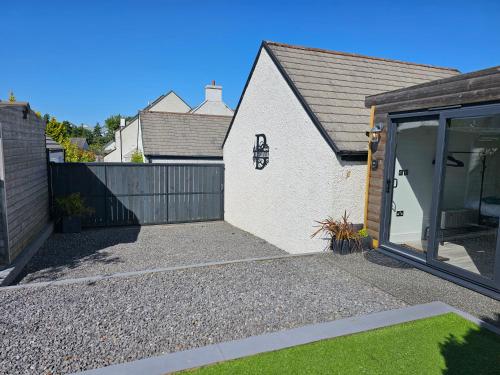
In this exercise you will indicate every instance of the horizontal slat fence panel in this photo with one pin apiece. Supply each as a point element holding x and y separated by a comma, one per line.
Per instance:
<point>131,194</point>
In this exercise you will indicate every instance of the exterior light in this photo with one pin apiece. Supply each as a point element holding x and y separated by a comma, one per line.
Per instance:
<point>375,132</point>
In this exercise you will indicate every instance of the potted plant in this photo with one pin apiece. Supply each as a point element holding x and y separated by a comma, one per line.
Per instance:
<point>344,237</point>
<point>70,210</point>
<point>366,240</point>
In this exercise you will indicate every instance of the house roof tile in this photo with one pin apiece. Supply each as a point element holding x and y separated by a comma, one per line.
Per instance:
<point>333,86</point>
<point>183,134</point>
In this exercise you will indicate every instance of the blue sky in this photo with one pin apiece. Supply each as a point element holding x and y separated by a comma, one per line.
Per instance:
<point>84,60</point>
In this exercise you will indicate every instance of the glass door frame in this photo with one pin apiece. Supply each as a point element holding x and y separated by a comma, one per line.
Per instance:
<point>388,182</point>
<point>430,258</point>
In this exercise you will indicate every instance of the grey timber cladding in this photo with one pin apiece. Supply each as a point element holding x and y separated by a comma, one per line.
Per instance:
<point>334,86</point>
<point>25,200</point>
<point>183,135</point>
<point>128,194</point>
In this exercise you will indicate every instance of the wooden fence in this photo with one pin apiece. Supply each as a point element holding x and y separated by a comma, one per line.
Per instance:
<point>131,194</point>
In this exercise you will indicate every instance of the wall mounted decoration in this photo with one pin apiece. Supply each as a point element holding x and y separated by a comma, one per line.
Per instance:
<point>260,152</point>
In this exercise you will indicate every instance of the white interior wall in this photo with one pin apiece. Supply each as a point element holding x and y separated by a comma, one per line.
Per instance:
<point>303,182</point>
<point>415,152</point>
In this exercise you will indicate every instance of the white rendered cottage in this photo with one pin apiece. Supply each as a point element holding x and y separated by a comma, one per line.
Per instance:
<point>303,108</point>
<point>129,137</point>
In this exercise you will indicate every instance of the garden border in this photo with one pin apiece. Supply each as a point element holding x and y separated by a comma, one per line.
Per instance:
<point>93,279</point>
<point>229,350</point>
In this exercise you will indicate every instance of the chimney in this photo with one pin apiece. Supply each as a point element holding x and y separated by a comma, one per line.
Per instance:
<point>122,123</point>
<point>213,93</point>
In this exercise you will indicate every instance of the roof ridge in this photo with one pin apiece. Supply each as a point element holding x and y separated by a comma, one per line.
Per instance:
<point>184,114</point>
<point>356,55</point>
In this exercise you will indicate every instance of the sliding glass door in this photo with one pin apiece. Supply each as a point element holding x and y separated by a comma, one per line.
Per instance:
<point>442,191</point>
<point>410,180</point>
<point>466,233</point>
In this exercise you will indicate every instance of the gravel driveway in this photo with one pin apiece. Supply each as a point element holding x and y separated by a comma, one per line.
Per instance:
<point>122,249</point>
<point>65,328</point>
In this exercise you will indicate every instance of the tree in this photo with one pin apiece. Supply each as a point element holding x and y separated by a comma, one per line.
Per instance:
<point>97,132</point>
<point>56,130</point>
<point>12,97</point>
<point>112,123</point>
<point>74,154</point>
<point>59,132</point>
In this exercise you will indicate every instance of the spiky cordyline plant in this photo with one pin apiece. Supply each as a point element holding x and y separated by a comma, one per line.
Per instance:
<point>340,230</point>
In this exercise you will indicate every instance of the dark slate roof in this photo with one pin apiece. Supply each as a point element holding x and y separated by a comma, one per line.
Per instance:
<point>183,134</point>
<point>50,144</point>
<point>80,142</point>
<point>333,85</point>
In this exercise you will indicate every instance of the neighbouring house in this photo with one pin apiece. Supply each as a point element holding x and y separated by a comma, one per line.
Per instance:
<point>80,142</point>
<point>213,104</point>
<point>302,118</point>
<point>128,138</point>
<point>182,137</point>
<point>434,177</point>
<point>55,150</point>
<point>24,191</point>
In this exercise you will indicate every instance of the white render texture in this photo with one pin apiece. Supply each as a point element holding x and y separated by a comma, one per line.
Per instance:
<point>304,180</point>
<point>124,149</point>
<point>213,93</point>
<point>171,103</point>
<point>213,104</point>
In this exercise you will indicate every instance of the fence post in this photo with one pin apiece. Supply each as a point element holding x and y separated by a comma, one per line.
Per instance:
<point>105,195</point>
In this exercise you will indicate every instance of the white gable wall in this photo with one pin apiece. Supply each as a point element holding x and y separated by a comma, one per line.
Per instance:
<point>213,108</point>
<point>171,103</point>
<point>303,182</point>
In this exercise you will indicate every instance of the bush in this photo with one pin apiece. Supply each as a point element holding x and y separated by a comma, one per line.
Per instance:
<point>72,205</point>
<point>340,230</point>
<point>137,157</point>
<point>363,233</point>
<point>74,154</point>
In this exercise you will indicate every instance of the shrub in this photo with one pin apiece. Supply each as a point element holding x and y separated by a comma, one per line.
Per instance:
<point>75,154</point>
<point>363,233</point>
<point>72,205</point>
<point>137,157</point>
<point>340,230</point>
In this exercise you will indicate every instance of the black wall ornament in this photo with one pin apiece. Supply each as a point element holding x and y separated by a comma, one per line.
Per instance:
<point>260,152</point>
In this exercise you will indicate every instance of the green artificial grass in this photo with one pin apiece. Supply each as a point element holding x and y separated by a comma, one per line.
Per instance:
<point>445,344</point>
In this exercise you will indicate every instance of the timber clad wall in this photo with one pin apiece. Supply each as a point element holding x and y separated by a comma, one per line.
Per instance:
<point>377,183</point>
<point>25,198</point>
<point>474,88</point>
